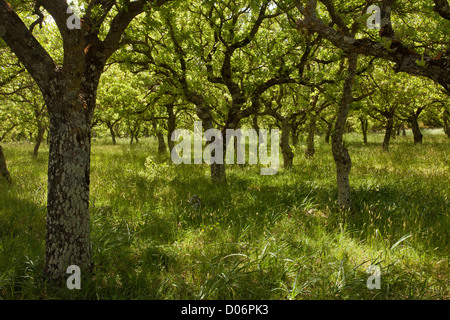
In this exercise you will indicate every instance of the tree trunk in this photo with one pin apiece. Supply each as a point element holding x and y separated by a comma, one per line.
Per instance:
<point>255,124</point>
<point>3,168</point>
<point>446,117</point>
<point>134,132</point>
<point>70,107</point>
<point>171,126</point>
<point>161,142</point>
<point>414,122</point>
<point>364,128</point>
<point>257,129</point>
<point>294,138</point>
<point>403,130</point>
<point>218,173</point>
<point>68,230</point>
<point>111,130</point>
<point>286,151</point>
<point>39,139</point>
<point>388,132</point>
<point>113,136</point>
<point>310,150</point>
<point>169,141</point>
<point>160,137</point>
<point>340,153</point>
<point>70,92</point>
<point>394,132</point>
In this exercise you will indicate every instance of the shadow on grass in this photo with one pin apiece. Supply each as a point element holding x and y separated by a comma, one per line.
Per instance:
<point>22,236</point>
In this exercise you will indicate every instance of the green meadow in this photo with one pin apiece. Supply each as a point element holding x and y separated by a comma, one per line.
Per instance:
<point>260,237</point>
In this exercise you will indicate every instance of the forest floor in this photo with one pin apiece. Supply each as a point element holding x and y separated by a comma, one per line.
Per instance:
<point>262,237</point>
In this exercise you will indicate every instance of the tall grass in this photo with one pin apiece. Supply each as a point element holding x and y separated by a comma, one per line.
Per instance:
<point>262,237</point>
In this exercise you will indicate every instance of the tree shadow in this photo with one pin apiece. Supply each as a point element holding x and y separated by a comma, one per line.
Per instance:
<point>22,237</point>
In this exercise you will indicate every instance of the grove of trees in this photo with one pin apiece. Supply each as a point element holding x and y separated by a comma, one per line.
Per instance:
<point>145,68</point>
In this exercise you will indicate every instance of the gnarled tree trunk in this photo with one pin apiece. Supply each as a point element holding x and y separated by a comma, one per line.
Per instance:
<point>110,126</point>
<point>160,137</point>
<point>414,122</point>
<point>310,150</point>
<point>364,128</point>
<point>446,119</point>
<point>3,168</point>
<point>218,173</point>
<point>171,125</point>
<point>340,153</point>
<point>39,139</point>
<point>68,228</point>
<point>286,151</point>
<point>388,132</point>
<point>161,142</point>
<point>69,91</point>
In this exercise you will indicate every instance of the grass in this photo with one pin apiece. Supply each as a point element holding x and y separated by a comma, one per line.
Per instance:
<point>263,237</point>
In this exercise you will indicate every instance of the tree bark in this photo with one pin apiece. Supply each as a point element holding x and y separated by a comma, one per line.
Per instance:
<point>414,122</point>
<point>294,138</point>
<point>286,151</point>
<point>111,130</point>
<point>161,142</point>
<point>364,128</point>
<point>446,117</point>
<point>393,132</point>
<point>134,132</point>
<point>310,150</point>
<point>388,133</point>
<point>3,168</point>
<point>218,173</point>
<point>257,129</point>
<point>160,137</point>
<point>39,139</point>
<point>69,91</point>
<point>171,126</point>
<point>68,230</point>
<point>340,153</point>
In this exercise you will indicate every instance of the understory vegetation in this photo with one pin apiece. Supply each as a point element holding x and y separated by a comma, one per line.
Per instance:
<point>258,237</point>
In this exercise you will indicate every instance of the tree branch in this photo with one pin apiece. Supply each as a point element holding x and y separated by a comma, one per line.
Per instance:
<point>28,50</point>
<point>442,8</point>
<point>406,60</point>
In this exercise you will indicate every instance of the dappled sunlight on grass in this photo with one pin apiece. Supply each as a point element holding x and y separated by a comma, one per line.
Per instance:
<point>261,237</point>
